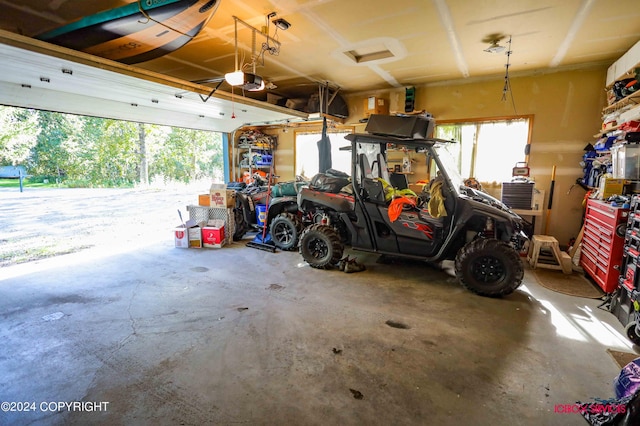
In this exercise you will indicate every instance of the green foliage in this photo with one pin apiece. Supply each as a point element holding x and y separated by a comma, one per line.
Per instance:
<point>94,152</point>
<point>188,154</point>
<point>18,133</point>
<point>26,183</point>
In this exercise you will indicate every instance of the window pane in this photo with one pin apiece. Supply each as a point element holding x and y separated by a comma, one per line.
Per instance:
<point>488,150</point>
<point>500,146</point>
<point>307,157</point>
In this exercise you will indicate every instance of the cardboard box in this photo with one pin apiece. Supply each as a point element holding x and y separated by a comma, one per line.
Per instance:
<point>375,105</point>
<point>204,200</point>
<point>221,197</point>
<point>182,233</point>
<point>417,188</point>
<point>195,237</point>
<point>231,198</point>
<point>611,186</point>
<point>213,235</point>
<point>181,237</point>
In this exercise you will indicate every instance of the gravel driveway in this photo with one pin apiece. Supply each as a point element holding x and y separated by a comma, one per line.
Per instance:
<point>41,223</point>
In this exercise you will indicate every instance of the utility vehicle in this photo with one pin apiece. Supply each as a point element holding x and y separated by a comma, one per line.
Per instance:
<point>474,229</point>
<point>282,217</point>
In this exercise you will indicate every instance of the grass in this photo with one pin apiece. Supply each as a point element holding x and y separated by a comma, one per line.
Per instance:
<point>26,183</point>
<point>72,183</point>
<point>31,255</point>
<point>24,250</point>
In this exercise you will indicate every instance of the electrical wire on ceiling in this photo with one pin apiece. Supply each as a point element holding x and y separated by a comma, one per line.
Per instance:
<point>507,80</point>
<point>273,49</point>
<point>245,68</point>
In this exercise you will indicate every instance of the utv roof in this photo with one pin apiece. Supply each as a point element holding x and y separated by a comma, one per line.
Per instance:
<point>403,126</point>
<point>407,130</point>
<point>384,139</point>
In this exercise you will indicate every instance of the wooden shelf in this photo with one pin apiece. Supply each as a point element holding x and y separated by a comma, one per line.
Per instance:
<point>391,160</point>
<point>414,112</point>
<point>316,116</point>
<point>632,99</point>
<point>611,129</point>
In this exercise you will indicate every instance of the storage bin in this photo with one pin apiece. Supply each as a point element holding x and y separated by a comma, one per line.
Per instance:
<point>261,214</point>
<point>626,161</point>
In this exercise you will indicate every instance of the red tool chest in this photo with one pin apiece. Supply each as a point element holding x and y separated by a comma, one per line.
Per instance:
<point>603,242</point>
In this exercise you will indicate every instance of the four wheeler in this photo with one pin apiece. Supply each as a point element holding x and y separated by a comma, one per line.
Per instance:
<point>450,221</point>
<point>282,216</point>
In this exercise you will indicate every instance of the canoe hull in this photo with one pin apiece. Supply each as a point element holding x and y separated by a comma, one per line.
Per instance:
<point>137,32</point>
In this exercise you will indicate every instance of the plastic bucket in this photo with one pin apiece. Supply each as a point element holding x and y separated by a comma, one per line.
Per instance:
<point>261,214</point>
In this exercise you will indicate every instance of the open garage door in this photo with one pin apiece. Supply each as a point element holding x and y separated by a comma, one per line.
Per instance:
<point>35,74</point>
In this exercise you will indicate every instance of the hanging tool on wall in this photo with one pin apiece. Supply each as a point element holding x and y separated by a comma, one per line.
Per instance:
<point>553,184</point>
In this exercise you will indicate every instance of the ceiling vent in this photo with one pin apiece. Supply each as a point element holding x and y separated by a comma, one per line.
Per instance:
<point>370,52</point>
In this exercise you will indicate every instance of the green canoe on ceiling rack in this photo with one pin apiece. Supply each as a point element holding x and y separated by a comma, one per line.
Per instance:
<point>137,32</point>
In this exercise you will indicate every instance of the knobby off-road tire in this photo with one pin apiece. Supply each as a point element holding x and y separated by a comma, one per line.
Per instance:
<point>241,225</point>
<point>631,333</point>
<point>320,246</point>
<point>489,267</point>
<point>285,230</point>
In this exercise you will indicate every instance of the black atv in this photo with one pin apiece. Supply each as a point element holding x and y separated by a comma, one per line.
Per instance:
<point>446,221</point>
<point>282,216</point>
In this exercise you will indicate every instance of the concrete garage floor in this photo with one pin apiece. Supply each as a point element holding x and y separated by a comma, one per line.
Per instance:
<point>153,334</point>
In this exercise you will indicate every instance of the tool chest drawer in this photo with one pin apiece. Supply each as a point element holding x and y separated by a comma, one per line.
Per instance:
<point>603,242</point>
<point>629,275</point>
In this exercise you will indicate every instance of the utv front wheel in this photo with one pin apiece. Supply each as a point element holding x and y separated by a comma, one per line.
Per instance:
<point>285,230</point>
<point>489,267</point>
<point>320,246</point>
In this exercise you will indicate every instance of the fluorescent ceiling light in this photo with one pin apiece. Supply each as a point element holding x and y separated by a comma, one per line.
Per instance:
<point>281,23</point>
<point>494,48</point>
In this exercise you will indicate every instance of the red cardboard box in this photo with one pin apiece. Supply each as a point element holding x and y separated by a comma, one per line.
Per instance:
<point>213,234</point>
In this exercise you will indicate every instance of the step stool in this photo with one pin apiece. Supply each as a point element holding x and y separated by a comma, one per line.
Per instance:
<point>557,259</point>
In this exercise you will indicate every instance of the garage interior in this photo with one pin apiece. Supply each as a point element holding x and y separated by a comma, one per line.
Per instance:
<point>236,335</point>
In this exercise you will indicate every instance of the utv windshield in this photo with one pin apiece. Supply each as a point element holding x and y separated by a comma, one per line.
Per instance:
<point>449,164</point>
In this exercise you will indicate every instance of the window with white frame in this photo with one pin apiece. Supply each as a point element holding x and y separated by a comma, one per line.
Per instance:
<point>489,149</point>
<point>307,155</point>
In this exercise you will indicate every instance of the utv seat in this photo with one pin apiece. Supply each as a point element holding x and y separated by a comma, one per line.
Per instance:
<point>398,181</point>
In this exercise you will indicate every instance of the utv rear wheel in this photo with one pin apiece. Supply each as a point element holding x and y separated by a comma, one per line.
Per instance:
<point>320,246</point>
<point>285,230</point>
<point>489,267</point>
